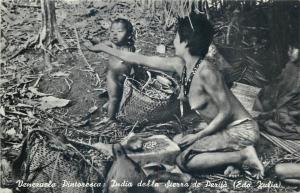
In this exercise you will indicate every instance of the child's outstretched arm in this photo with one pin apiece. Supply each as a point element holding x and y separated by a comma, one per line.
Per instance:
<point>171,64</point>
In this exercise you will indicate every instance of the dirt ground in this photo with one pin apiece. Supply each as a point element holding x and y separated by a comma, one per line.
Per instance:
<point>70,78</point>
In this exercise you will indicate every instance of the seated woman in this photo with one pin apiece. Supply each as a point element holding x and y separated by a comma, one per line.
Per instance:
<point>231,133</point>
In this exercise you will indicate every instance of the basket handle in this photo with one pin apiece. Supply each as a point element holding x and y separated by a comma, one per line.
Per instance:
<point>148,81</point>
<point>127,97</point>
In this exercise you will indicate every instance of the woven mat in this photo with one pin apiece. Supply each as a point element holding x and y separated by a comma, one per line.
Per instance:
<point>291,146</point>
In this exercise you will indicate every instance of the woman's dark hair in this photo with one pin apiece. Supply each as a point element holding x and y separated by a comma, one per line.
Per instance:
<point>129,30</point>
<point>197,31</point>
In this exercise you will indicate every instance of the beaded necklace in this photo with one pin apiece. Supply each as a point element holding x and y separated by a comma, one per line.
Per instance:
<point>186,83</point>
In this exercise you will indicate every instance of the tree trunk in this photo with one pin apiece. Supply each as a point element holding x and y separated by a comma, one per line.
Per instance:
<point>49,34</point>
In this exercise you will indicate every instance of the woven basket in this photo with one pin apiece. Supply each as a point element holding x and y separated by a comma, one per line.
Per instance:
<point>45,158</point>
<point>138,104</point>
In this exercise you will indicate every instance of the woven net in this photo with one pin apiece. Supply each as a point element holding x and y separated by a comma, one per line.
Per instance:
<point>149,102</point>
<point>73,170</point>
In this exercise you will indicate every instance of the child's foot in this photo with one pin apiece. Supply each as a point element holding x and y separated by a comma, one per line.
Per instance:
<point>252,161</point>
<point>232,172</point>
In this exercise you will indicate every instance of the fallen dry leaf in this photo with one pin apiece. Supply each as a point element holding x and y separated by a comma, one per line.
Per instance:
<point>50,102</point>
<point>11,132</point>
<point>30,114</point>
<point>60,74</point>
<point>5,167</point>
<point>6,190</point>
<point>3,81</point>
<point>24,105</point>
<point>93,109</point>
<point>34,91</point>
<point>2,111</point>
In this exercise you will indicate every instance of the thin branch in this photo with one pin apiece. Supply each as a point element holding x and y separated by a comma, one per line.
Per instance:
<point>80,51</point>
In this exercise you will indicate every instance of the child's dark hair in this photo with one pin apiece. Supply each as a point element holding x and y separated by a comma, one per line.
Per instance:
<point>129,30</point>
<point>197,31</point>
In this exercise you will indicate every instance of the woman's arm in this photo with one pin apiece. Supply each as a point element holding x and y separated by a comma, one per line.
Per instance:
<point>171,64</point>
<point>214,86</point>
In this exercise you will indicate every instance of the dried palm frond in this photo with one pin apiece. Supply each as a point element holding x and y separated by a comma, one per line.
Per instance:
<point>291,146</point>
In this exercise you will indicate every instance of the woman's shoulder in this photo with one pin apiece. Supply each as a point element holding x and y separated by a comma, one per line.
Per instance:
<point>208,69</point>
<point>209,64</point>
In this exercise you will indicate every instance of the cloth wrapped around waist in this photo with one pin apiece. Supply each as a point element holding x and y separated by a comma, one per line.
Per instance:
<point>236,136</point>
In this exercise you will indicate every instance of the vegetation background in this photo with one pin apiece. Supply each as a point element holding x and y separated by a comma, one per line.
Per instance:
<point>49,81</point>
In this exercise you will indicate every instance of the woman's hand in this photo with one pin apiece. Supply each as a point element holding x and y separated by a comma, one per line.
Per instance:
<point>95,48</point>
<point>188,140</point>
<point>109,44</point>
